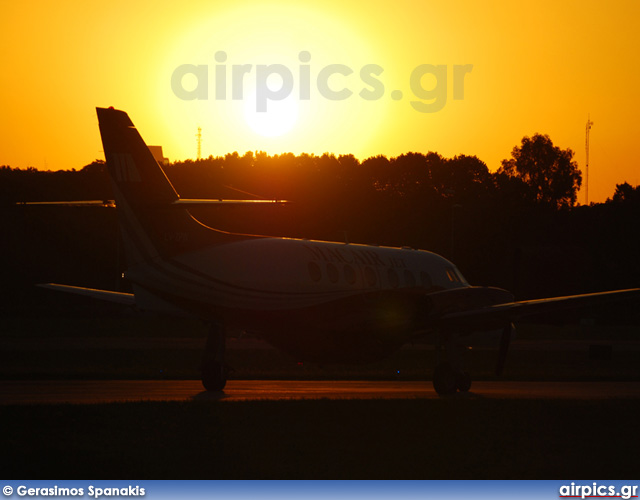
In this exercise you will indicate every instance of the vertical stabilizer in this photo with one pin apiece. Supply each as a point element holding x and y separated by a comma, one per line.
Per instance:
<point>151,226</point>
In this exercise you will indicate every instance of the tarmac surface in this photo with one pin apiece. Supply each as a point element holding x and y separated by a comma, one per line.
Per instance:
<point>21,392</point>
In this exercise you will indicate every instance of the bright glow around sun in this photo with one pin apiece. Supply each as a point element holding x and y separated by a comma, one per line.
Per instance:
<point>230,46</point>
<point>279,118</point>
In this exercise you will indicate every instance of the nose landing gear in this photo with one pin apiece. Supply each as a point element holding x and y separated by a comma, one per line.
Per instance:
<point>449,375</point>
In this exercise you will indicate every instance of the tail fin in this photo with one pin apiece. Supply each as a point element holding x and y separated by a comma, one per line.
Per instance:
<point>150,225</point>
<point>132,167</point>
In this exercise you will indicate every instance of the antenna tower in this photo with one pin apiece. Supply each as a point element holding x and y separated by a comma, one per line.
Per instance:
<point>589,124</point>
<point>199,137</point>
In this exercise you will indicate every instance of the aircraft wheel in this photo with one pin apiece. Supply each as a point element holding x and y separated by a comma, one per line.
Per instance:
<point>463,381</point>
<point>444,379</point>
<point>214,376</point>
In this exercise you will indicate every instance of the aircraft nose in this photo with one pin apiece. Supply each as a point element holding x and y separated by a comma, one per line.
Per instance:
<point>499,296</point>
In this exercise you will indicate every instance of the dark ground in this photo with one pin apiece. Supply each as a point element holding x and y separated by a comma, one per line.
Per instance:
<point>451,438</point>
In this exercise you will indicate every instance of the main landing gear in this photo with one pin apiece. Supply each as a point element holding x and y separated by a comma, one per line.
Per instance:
<point>214,371</point>
<point>448,380</point>
<point>449,375</point>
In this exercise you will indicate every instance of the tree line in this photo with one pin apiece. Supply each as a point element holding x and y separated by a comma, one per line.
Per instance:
<point>537,174</point>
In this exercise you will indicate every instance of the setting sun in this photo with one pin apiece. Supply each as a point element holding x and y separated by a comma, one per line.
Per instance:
<point>278,118</point>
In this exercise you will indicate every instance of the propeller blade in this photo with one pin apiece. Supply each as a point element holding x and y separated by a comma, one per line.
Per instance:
<point>505,339</point>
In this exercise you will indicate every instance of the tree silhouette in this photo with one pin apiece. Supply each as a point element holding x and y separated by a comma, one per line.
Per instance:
<point>462,177</point>
<point>625,193</point>
<point>550,173</point>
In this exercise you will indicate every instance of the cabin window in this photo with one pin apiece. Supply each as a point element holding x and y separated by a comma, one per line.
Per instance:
<point>393,278</point>
<point>332,272</point>
<point>409,279</point>
<point>370,276</point>
<point>349,274</point>
<point>314,271</point>
<point>425,280</point>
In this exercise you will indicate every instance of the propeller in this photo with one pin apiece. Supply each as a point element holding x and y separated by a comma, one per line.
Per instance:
<point>505,340</point>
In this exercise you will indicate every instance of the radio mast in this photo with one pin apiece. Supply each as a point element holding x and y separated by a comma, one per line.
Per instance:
<point>199,137</point>
<point>589,124</point>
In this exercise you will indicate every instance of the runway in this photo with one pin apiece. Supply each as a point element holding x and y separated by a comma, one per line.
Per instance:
<point>111,391</point>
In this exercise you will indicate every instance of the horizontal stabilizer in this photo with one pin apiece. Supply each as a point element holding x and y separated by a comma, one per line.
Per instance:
<point>106,295</point>
<point>183,203</point>
<point>85,203</point>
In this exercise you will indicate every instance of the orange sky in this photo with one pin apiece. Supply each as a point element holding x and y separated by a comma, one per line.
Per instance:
<point>537,67</point>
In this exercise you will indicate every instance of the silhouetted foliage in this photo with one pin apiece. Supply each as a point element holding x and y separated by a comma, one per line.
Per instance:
<point>625,193</point>
<point>550,172</point>
<point>20,185</point>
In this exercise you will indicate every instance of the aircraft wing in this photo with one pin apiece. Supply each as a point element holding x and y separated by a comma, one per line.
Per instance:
<point>496,316</point>
<point>186,203</point>
<point>117,297</point>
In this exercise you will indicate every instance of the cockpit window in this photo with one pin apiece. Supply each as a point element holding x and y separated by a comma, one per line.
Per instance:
<point>454,275</point>
<point>451,274</point>
<point>459,275</point>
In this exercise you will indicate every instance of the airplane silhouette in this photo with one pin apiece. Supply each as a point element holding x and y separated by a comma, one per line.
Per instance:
<point>319,301</point>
